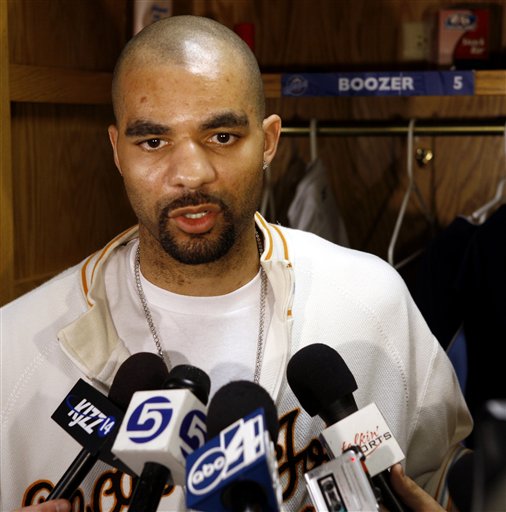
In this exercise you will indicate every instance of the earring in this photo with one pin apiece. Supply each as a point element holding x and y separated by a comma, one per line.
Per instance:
<point>265,166</point>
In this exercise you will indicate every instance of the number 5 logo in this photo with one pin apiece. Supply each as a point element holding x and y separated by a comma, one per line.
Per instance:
<point>193,432</point>
<point>149,419</point>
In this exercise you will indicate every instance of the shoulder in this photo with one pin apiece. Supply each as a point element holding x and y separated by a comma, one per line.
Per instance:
<point>29,329</point>
<point>313,254</point>
<point>330,278</point>
<point>67,290</point>
<point>47,302</point>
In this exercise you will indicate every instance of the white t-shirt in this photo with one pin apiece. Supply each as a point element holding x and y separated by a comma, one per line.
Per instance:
<point>217,334</point>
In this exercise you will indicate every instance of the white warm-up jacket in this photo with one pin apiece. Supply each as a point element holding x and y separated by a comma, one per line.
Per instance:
<point>324,293</point>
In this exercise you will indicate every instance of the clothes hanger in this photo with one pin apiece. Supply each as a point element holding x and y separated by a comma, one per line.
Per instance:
<point>412,187</point>
<point>313,142</point>
<point>481,214</point>
<point>267,203</point>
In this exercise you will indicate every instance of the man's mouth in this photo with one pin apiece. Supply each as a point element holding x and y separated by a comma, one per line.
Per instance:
<point>195,219</point>
<point>196,215</point>
<point>194,211</point>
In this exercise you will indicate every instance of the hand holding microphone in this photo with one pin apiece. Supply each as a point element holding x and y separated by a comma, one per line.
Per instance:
<point>411,493</point>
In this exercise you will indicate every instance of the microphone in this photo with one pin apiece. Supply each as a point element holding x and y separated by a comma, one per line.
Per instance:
<point>324,386</point>
<point>236,470</point>
<point>160,429</point>
<point>93,419</point>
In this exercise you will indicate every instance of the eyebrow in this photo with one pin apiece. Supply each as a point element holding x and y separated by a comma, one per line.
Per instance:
<point>226,120</point>
<point>141,128</point>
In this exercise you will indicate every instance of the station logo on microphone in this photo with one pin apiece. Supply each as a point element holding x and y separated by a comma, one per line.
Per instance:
<point>367,429</point>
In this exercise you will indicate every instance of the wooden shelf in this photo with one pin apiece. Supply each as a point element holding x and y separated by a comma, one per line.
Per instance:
<point>59,85</point>
<point>490,83</point>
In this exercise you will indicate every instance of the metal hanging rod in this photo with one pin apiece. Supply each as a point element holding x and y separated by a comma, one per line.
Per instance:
<point>496,126</point>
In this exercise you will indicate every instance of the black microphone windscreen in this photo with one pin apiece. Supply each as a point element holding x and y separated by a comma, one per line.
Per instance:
<point>236,400</point>
<point>186,376</point>
<point>143,371</point>
<point>460,482</point>
<point>318,376</point>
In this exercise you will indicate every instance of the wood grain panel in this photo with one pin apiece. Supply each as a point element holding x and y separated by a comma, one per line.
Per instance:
<point>329,34</point>
<point>491,82</point>
<point>80,34</point>
<point>68,194</point>
<point>59,85</point>
<point>6,201</point>
<point>68,197</point>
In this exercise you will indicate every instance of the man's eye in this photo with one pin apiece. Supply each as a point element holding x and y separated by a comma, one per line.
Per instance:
<point>224,138</point>
<point>152,143</point>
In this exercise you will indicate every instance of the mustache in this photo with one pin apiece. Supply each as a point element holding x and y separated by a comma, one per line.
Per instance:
<point>193,199</point>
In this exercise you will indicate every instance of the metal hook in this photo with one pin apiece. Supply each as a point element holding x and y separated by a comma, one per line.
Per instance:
<point>423,156</point>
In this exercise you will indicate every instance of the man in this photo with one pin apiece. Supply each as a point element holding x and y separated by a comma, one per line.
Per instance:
<point>205,280</point>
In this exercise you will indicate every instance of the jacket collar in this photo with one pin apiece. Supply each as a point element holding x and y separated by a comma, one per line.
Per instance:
<point>92,341</point>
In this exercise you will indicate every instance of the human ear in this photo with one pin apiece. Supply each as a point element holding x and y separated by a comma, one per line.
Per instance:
<point>113,137</point>
<point>272,131</point>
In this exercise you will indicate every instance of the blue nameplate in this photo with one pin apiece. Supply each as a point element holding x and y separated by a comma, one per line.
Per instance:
<point>397,83</point>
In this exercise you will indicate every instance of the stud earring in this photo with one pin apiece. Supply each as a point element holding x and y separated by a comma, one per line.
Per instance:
<point>265,166</point>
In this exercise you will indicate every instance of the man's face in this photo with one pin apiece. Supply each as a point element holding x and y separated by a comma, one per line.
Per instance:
<point>190,147</point>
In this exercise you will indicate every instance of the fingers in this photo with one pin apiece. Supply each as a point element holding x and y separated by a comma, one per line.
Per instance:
<point>47,506</point>
<point>411,493</point>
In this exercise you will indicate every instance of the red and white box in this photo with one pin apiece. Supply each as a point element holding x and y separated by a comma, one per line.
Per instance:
<point>462,35</point>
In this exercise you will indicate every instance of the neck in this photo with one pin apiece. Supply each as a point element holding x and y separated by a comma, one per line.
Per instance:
<point>229,273</point>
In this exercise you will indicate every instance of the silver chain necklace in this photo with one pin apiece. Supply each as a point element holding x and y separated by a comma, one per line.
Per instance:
<point>154,333</point>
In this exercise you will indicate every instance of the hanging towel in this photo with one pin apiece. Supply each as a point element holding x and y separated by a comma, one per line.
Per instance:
<point>314,207</point>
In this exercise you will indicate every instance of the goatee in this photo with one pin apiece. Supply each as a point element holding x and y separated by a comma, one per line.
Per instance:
<point>200,248</point>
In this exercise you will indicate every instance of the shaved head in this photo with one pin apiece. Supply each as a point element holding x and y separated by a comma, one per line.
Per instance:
<point>190,42</point>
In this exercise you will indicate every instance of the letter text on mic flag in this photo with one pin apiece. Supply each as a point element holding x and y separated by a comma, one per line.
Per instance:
<point>368,429</point>
<point>88,416</point>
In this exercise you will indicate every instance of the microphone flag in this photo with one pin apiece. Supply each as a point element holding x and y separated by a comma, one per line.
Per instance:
<point>367,429</point>
<point>241,452</point>
<point>88,416</point>
<point>166,424</point>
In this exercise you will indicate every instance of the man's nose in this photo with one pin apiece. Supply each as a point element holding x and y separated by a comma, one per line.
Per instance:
<point>190,164</point>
